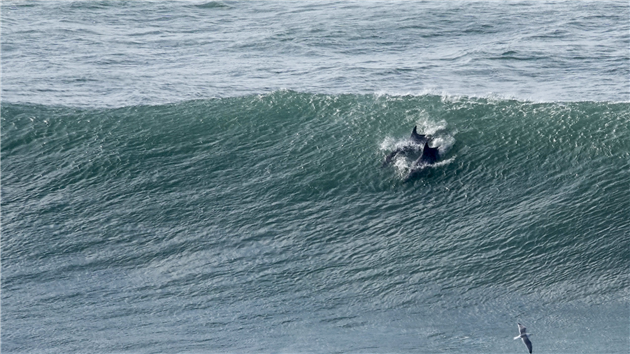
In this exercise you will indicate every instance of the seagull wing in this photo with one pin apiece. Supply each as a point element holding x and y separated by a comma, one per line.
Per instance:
<point>521,329</point>
<point>528,344</point>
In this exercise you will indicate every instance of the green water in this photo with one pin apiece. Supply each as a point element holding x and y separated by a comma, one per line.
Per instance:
<point>265,222</point>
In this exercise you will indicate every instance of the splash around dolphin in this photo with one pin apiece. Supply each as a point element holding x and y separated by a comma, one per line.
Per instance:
<point>418,148</point>
<point>416,141</point>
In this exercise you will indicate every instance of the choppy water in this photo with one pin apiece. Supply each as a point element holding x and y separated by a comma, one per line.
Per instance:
<point>206,177</point>
<point>126,53</point>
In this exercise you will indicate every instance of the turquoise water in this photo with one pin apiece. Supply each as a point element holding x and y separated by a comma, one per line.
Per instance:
<point>266,223</point>
<point>137,218</point>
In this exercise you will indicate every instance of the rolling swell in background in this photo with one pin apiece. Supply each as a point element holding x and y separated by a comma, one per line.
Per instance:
<point>265,223</point>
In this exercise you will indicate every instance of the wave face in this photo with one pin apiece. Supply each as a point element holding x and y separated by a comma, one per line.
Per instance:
<point>266,223</point>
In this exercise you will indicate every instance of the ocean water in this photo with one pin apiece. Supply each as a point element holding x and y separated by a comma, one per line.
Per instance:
<point>206,177</point>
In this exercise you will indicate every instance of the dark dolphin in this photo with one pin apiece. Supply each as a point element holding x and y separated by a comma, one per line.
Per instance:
<point>418,138</point>
<point>417,141</point>
<point>429,156</point>
<point>401,150</point>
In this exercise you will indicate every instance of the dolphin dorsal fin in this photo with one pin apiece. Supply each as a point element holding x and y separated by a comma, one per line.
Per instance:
<point>415,137</point>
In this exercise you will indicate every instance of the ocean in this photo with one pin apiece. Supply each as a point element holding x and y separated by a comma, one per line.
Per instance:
<point>208,177</point>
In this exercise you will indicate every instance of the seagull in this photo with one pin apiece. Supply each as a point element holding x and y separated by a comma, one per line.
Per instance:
<point>523,335</point>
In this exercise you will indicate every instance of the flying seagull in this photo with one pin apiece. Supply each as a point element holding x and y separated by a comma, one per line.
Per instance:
<point>523,335</point>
